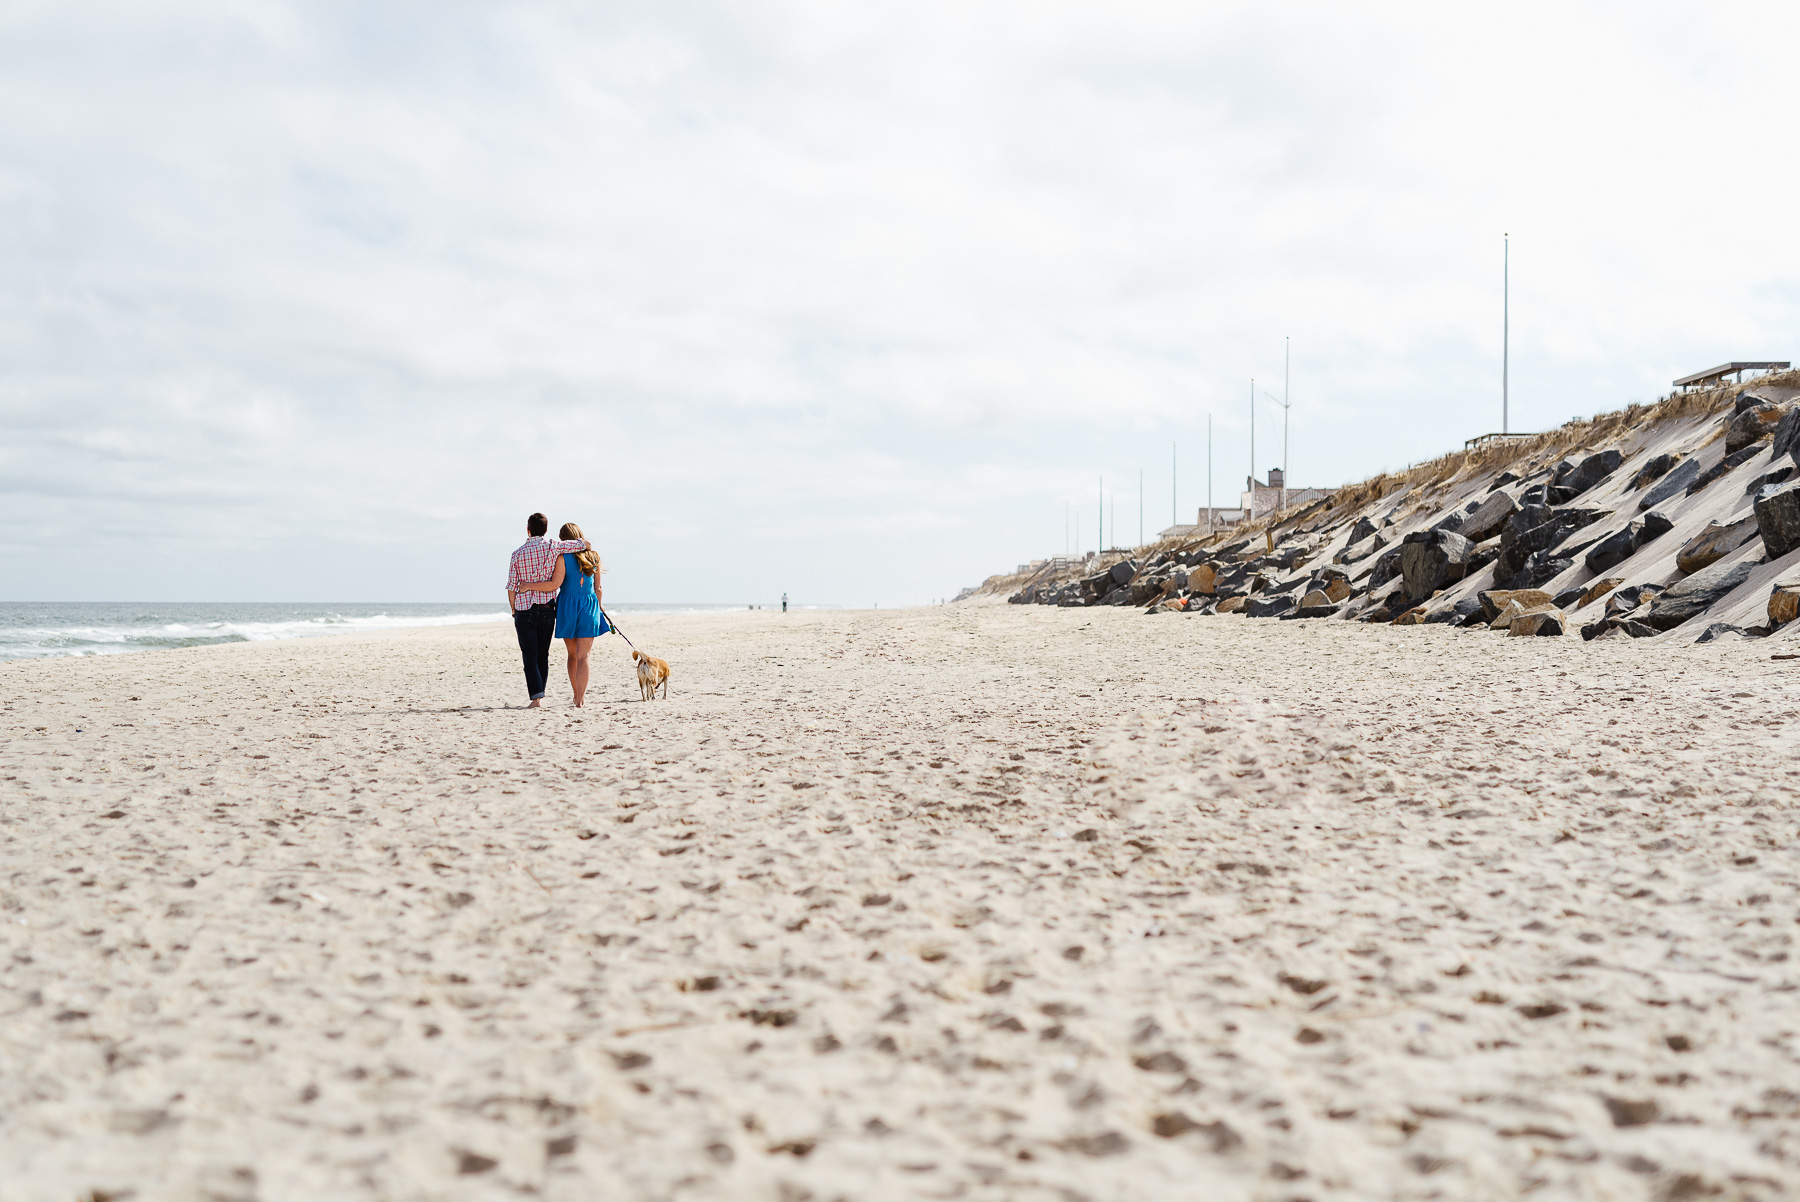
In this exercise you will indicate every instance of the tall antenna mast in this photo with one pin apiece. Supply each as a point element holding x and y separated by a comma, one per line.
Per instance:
<point>1140,507</point>
<point>1209,491</point>
<point>1505,328</point>
<point>1251,516</point>
<point>1174,515</point>
<point>1287,350</point>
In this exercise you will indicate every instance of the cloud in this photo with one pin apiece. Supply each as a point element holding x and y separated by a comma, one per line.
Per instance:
<point>854,302</point>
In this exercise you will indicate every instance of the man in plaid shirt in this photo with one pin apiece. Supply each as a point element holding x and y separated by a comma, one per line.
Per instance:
<point>534,614</point>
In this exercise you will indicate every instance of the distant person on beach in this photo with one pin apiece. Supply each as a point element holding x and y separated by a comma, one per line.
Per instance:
<point>784,603</point>
<point>534,611</point>
<point>576,585</point>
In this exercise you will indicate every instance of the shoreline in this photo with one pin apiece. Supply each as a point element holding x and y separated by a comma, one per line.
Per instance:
<point>1002,901</point>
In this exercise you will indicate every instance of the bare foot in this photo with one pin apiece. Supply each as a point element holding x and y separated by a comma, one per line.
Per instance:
<point>535,705</point>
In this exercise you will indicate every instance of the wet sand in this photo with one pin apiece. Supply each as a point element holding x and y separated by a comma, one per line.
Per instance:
<point>966,902</point>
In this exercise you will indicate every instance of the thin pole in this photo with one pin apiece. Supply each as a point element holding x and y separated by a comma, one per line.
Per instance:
<point>1174,513</point>
<point>1252,513</point>
<point>1286,359</point>
<point>1505,329</point>
<point>1100,529</point>
<point>1140,507</point>
<point>1209,491</point>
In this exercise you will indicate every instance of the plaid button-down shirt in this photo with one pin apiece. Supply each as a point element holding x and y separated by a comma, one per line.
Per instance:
<point>534,563</point>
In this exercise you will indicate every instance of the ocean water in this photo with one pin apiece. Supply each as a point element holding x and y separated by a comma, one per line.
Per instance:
<point>30,630</point>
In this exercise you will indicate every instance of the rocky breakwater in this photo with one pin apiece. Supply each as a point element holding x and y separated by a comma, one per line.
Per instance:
<point>1677,520</point>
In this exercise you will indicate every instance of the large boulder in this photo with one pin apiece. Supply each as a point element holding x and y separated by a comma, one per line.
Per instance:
<point>1495,600</point>
<point>1786,439</point>
<point>1232,605</point>
<point>1589,472</point>
<point>1385,569</point>
<point>1335,586</point>
<point>1713,544</point>
<point>1598,589</point>
<point>1777,509</point>
<point>1615,548</point>
<point>1784,602</point>
<point>1730,463</point>
<point>1655,470</point>
<point>1432,559</point>
<point>1754,424</point>
<point>1629,598</point>
<point>1269,607</point>
<point>1315,605</point>
<point>1203,579</point>
<point>1778,476</point>
<point>1547,620</point>
<point>1363,529</point>
<point>1358,551</point>
<point>1488,517</point>
<point>1695,595</point>
<point>1673,484</point>
<point>1537,528</point>
<point>1123,571</point>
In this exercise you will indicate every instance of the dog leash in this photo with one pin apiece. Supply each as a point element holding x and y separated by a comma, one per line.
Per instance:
<point>616,630</point>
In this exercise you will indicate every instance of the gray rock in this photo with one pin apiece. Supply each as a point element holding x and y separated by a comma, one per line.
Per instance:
<point>1655,470</point>
<point>1767,478</point>
<point>1614,549</point>
<point>1536,528</point>
<point>1630,626</point>
<point>1386,568</point>
<point>1728,464</point>
<point>1269,607</point>
<point>1624,600</point>
<point>1714,543</point>
<point>1695,595</point>
<point>1123,571</point>
<point>1591,471</point>
<point>1363,529</point>
<point>1656,524</point>
<point>1786,439</point>
<point>1431,559</point>
<point>1671,485</point>
<point>1752,425</point>
<point>1488,518</point>
<point>1777,509</point>
<point>1719,630</point>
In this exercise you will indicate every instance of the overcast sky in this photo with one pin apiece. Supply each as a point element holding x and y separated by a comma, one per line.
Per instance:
<point>317,301</point>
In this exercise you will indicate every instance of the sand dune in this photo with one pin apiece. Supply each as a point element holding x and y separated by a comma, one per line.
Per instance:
<point>977,902</point>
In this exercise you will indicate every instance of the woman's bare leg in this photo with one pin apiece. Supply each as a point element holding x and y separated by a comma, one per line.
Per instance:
<point>579,650</point>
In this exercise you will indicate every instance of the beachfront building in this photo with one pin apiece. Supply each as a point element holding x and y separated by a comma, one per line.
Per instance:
<point>1205,522</point>
<point>1261,498</point>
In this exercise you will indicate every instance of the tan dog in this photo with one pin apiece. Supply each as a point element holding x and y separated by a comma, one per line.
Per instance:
<point>651,673</point>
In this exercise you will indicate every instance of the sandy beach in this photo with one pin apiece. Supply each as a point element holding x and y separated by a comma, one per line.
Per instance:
<point>976,901</point>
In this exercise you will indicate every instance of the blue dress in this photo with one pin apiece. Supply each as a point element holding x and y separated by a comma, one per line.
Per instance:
<point>577,611</point>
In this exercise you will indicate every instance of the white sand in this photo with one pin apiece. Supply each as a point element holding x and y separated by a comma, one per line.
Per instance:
<point>937,903</point>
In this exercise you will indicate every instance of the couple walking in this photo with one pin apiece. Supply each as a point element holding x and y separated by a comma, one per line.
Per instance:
<point>553,590</point>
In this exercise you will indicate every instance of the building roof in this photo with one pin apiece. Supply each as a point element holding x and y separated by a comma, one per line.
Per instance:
<point>1725,369</point>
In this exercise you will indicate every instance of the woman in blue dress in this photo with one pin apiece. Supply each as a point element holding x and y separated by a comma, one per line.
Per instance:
<point>579,621</point>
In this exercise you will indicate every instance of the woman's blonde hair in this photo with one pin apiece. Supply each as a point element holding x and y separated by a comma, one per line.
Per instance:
<point>588,559</point>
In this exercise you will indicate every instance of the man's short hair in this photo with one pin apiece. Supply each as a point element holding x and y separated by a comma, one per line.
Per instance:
<point>537,525</point>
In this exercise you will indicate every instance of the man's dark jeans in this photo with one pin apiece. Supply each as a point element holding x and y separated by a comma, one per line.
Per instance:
<point>536,627</point>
